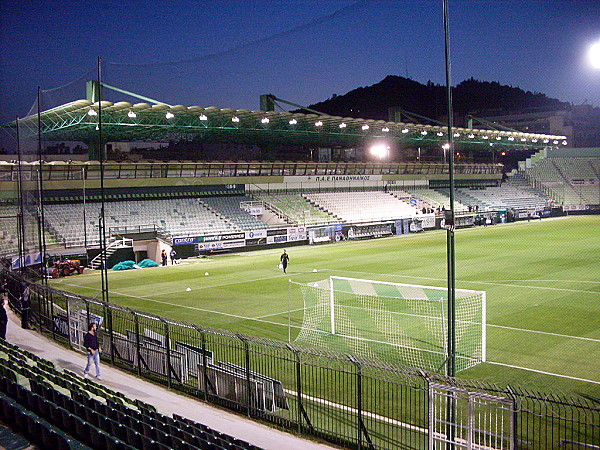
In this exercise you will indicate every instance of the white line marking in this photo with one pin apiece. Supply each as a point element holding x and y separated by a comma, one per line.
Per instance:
<point>201,309</point>
<point>364,413</point>
<point>545,332</point>
<point>279,313</point>
<point>232,283</point>
<point>550,281</point>
<point>477,282</point>
<point>542,372</point>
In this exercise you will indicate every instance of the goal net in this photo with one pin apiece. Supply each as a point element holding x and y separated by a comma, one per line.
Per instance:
<point>392,321</point>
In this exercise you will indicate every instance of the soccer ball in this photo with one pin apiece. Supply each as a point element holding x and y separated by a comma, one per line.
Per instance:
<point>205,274</point>
<point>315,270</point>
<point>188,289</point>
<point>280,266</point>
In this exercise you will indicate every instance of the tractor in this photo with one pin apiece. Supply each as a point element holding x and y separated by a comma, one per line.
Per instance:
<point>66,268</point>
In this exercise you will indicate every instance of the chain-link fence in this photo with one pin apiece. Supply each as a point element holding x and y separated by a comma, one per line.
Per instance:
<point>351,401</point>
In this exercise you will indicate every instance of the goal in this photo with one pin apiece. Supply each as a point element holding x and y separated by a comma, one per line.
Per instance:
<point>393,321</point>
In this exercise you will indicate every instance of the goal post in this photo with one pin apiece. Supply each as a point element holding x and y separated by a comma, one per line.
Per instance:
<point>392,321</point>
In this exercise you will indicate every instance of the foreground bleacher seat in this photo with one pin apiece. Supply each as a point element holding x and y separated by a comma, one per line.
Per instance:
<point>56,409</point>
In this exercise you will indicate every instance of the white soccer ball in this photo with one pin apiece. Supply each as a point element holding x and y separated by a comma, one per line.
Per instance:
<point>315,270</point>
<point>205,274</point>
<point>280,266</point>
<point>188,289</point>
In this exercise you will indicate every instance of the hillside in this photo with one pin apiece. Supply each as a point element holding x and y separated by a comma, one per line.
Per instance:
<point>470,96</point>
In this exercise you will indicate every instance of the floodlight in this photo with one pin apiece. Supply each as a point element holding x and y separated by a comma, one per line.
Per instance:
<point>264,120</point>
<point>365,127</point>
<point>594,55</point>
<point>342,125</point>
<point>131,114</point>
<point>293,122</point>
<point>203,117</point>
<point>169,115</point>
<point>235,119</point>
<point>503,153</point>
<point>92,112</point>
<point>380,151</point>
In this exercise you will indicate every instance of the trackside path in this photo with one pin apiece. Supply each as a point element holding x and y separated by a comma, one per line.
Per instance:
<point>166,402</point>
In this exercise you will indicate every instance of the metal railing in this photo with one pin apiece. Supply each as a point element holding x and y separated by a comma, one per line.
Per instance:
<point>347,400</point>
<point>136,170</point>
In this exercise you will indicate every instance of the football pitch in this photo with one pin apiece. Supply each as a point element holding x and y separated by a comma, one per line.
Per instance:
<point>541,278</point>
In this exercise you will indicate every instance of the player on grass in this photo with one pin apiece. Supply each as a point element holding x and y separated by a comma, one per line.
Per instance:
<point>285,259</point>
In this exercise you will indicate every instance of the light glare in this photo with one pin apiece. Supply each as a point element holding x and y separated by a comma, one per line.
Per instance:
<point>594,55</point>
<point>379,151</point>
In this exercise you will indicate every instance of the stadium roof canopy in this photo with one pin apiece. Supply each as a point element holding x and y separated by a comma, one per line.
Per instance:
<point>127,122</point>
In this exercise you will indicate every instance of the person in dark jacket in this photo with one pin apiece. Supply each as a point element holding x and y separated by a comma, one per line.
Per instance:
<point>163,256</point>
<point>25,307</point>
<point>90,342</point>
<point>3,317</point>
<point>285,259</point>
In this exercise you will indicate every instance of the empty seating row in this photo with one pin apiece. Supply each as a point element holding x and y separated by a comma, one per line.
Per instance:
<point>297,208</point>
<point>230,207</point>
<point>178,217</point>
<point>79,416</point>
<point>501,197</point>
<point>363,206</point>
<point>434,198</point>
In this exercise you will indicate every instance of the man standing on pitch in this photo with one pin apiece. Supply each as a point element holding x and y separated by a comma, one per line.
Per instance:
<point>285,259</point>
<point>90,342</point>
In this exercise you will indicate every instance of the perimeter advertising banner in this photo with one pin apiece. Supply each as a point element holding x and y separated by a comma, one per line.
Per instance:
<point>330,178</point>
<point>296,234</point>
<point>214,238</point>
<point>207,246</point>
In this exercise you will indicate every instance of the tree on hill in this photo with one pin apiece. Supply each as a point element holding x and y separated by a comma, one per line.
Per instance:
<point>469,96</point>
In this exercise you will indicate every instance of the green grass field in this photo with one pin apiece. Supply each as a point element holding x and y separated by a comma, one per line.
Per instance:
<point>541,278</point>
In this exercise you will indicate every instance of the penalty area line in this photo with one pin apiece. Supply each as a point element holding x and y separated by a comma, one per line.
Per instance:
<point>202,309</point>
<point>543,372</point>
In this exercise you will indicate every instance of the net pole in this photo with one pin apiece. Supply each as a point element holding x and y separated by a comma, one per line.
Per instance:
<point>450,230</point>
<point>332,304</point>
<point>41,221</point>
<point>451,407</point>
<point>102,225</point>
<point>484,327</point>
<point>289,311</point>
<point>20,220</point>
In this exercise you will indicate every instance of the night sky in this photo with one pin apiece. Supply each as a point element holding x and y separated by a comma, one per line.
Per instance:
<point>230,52</point>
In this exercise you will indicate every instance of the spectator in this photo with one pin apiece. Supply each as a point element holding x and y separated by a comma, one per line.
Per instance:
<point>90,342</point>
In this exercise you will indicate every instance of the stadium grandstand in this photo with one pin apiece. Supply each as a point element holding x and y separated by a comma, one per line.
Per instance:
<point>104,212</point>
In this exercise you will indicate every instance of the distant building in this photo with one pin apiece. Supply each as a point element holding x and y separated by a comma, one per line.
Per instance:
<point>580,124</point>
